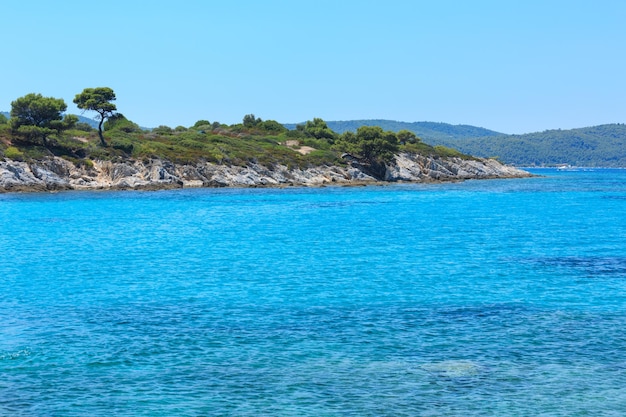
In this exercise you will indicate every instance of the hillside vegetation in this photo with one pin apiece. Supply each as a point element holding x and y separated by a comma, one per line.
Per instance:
<point>37,128</point>
<point>597,146</point>
<point>429,132</point>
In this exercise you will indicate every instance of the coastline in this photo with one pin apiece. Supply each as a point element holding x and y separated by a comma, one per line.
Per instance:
<point>58,174</point>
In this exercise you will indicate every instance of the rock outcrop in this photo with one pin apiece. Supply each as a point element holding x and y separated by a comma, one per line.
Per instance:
<point>413,167</point>
<point>59,174</point>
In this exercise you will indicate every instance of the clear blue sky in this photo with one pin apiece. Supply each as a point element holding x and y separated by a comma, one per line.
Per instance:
<point>513,66</point>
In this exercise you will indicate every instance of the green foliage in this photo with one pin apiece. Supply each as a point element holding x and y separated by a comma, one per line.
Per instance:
<point>36,110</point>
<point>123,144</point>
<point>3,119</point>
<point>34,116</point>
<point>13,153</point>
<point>371,144</point>
<point>68,122</point>
<point>250,121</point>
<point>318,129</point>
<point>163,130</point>
<point>272,126</point>
<point>406,136</point>
<point>98,100</point>
<point>32,133</point>
<point>261,142</point>
<point>85,127</point>
<point>427,131</point>
<point>296,134</point>
<point>447,152</point>
<point>204,128</point>
<point>315,143</point>
<point>201,123</point>
<point>119,122</point>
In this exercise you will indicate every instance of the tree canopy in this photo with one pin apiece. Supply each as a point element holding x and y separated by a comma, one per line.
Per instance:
<point>370,143</point>
<point>99,100</point>
<point>249,120</point>
<point>318,129</point>
<point>35,116</point>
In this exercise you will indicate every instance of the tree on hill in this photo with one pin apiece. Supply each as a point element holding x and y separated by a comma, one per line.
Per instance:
<point>372,145</point>
<point>201,122</point>
<point>98,100</point>
<point>250,121</point>
<point>272,126</point>
<point>406,136</point>
<point>34,116</point>
<point>318,129</point>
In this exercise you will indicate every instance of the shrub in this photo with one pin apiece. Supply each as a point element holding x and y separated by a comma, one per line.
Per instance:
<point>123,145</point>
<point>119,122</point>
<point>85,127</point>
<point>13,153</point>
<point>272,126</point>
<point>163,130</point>
<point>446,152</point>
<point>201,123</point>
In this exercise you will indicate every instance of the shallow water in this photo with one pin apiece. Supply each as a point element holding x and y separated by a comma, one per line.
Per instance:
<point>502,297</point>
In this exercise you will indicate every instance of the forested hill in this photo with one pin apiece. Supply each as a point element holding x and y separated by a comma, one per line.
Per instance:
<point>596,146</point>
<point>427,131</point>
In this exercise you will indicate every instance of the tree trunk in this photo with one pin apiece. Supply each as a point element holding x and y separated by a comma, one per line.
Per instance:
<point>102,142</point>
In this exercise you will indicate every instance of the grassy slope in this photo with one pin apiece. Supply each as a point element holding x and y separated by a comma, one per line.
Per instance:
<point>232,145</point>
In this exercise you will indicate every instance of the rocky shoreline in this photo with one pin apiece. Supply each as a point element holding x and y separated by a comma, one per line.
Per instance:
<point>56,174</point>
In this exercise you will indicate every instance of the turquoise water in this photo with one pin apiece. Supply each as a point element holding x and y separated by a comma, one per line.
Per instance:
<point>482,298</point>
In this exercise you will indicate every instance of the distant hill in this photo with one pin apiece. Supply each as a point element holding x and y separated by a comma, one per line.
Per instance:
<point>93,123</point>
<point>427,131</point>
<point>596,146</point>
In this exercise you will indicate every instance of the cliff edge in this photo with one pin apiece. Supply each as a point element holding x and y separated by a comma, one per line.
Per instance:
<point>56,173</point>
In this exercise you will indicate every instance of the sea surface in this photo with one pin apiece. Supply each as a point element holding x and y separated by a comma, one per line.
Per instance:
<point>480,298</point>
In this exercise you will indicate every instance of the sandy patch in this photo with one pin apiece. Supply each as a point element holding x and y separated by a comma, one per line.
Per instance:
<point>305,150</point>
<point>295,145</point>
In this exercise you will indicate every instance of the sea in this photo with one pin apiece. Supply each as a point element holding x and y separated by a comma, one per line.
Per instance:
<point>475,298</point>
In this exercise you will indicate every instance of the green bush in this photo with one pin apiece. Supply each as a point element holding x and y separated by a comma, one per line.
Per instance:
<point>84,127</point>
<point>446,152</point>
<point>119,122</point>
<point>123,145</point>
<point>13,153</point>
<point>201,123</point>
<point>163,130</point>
